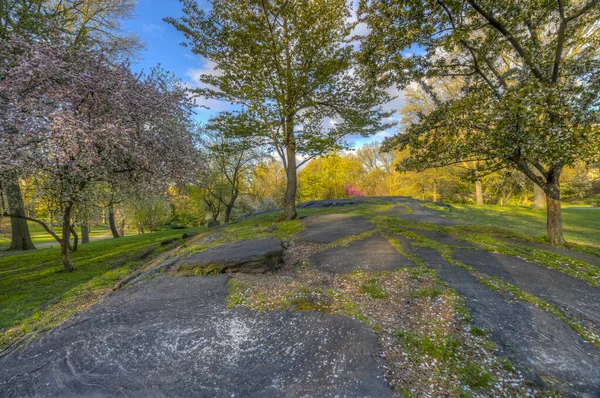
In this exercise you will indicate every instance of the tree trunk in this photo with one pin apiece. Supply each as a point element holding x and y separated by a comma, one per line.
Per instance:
<point>539,199</point>
<point>539,196</point>
<point>290,191</point>
<point>122,229</point>
<point>85,233</point>
<point>20,235</point>
<point>478,193</point>
<point>554,228</point>
<point>435,191</point>
<point>111,221</point>
<point>75,239</point>
<point>229,207</point>
<point>554,221</point>
<point>228,210</point>
<point>66,235</point>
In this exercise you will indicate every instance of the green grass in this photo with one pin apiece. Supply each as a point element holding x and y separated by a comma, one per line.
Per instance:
<point>32,283</point>
<point>373,288</point>
<point>39,235</point>
<point>581,225</point>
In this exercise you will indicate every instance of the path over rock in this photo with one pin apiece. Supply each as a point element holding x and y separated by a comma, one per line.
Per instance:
<point>545,347</point>
<point>422,214</point>
<point>173,337</point>
<point>330,227</point>
<point>441,237</point>
<point>372,254</point>
<point>250,256</point>
<point>558,288</point>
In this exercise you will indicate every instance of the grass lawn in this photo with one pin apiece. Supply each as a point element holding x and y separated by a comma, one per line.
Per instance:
<point>35,294</point>
<point>581,225</point>
<point>39,235</point>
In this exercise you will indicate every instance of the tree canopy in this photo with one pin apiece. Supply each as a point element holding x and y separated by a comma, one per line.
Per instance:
<point>291,64</point>
<point>528,71</point>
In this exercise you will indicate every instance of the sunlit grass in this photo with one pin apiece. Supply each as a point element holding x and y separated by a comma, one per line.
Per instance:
<point>32,282</point>
<point>39,235</point>
<point>581,225</point>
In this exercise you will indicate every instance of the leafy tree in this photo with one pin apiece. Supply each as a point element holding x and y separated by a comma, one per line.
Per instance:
<point>421,100</point>
<point>291,64</point>
<point>578,181</point>
<point>146,211</point>
<point>83,120</point>
<point>531,94</point>
<point>327,177</point>
<point>380,167</point>
<point>266,184</point>
<point>82,23</point>
<point>231,151</point>
<point>505,184</point>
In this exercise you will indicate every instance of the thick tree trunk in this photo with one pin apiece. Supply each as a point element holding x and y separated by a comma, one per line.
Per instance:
<point>111,221</point>
<point>228,210</point>
<point>539,198</point>
<point>229,207</point>
<point>478,193</point>
<point>292,170</point>
<point>66,235</point>
<point>290,191</point>
<point>20,235</point>
<point>554,221</point>
<point>553,210</point>
<point>85,233</point>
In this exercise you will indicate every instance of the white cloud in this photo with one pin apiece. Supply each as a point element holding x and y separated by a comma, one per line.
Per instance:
<point>153,30</point>
<point>214,106</point>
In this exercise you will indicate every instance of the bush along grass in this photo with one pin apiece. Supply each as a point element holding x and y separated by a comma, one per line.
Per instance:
<point>425,337</point>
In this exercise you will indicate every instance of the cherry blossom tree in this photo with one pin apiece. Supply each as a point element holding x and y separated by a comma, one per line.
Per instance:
<point>83,23</point>
<point>81,120</point>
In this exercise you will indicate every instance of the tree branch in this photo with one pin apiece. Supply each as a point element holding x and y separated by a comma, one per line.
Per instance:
<point>511,39</point>
<point>43,224</point>
<point>583,10</point>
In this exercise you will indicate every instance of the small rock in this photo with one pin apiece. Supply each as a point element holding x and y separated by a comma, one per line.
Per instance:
<point>188,235</point>
<point>255,256</point>
<point>169,241</point>
<point>213,223</point>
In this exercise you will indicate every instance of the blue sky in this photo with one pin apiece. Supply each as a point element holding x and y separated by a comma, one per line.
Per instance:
<point>163,47</point>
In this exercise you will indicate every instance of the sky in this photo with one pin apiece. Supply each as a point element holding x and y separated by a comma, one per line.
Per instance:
<point>163,46</point>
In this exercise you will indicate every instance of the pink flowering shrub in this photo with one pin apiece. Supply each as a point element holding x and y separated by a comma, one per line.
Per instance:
<point>353,191</point>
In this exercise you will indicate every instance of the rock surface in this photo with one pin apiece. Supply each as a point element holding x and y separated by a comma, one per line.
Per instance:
<point>331,227</point>
<point>320,204</point>
<point>372,254</point>
<point>250,256</point>
<point>213,223</point>
<point>441,237</point>
<point>569,293</point>
<point>544,347</point>
<point>423,214</point>
<point>173,337</point>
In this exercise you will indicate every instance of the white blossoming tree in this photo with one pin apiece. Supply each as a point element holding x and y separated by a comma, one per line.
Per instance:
<point>530,98</point>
